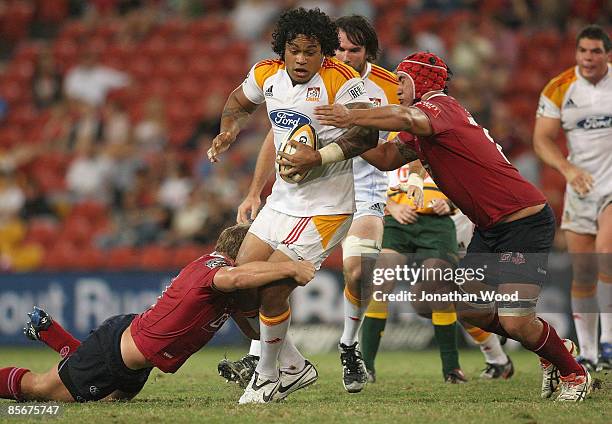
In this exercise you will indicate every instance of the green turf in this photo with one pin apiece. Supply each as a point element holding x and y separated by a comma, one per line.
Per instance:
<point>410,389</point>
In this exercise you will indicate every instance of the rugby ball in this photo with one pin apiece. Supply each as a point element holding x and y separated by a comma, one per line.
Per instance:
<point>304,134</point>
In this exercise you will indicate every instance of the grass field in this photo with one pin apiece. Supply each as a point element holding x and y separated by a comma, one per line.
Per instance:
<point>410,389</point>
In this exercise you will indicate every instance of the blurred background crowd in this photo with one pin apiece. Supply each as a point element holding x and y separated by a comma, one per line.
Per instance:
<point>107,108</point>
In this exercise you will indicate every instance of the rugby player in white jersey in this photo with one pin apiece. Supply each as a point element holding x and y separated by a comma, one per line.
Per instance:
<point>303,220</point>
<point>358,48</point>
<point>579,100</point>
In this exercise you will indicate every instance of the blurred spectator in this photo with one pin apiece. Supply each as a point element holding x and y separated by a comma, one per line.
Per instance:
<point>150,133</point>
<point>86,129</point>
<point>47,81</point>
<point>251,17</point>
<point>188,222</point>
<point>36,202</point>
<point>176,186</point>
<point>471,51</point>
<point>134,225</point>
<point>126,165</point>
<point>90,81</point>
<point>88,175</point>
<point>209,124</point>
<point>12,197</point>
<point>115,123</point>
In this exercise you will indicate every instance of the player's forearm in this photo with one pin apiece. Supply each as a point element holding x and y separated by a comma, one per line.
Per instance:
<point>264,168</point>
<point>548,151</point>
<point>235,114</point>
<point>257,274</point>
<point>390,117</point>
<point>385,157</point>
<point>356,140</point>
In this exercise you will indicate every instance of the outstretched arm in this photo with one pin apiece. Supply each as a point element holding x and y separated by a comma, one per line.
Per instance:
<point>235,115</point>
<point>389,156</point>
<point>353,142</point>
<point>390,118</point>
<point>264,169</point>
<point>259,273</point>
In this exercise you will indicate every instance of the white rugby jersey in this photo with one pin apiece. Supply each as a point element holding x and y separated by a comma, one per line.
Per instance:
<point>328,190</point>
<point>585,111</point>
<point>370,183</point>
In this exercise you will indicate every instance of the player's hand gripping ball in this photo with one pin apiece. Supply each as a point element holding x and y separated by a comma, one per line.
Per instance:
<point>304,134</point>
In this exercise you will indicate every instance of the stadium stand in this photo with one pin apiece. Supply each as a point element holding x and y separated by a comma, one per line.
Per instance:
<point>179,61</point>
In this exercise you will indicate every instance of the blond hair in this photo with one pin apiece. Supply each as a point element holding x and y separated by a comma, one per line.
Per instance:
<point>230,239</point>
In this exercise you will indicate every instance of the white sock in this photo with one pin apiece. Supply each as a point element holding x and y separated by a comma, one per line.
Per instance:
<point>492,350</point>
<point>353,316</point>
<point>255,348</point>
<point>273,334</point>
<point>584,311</point>
<point>604,299</point>
<point>289,358</point>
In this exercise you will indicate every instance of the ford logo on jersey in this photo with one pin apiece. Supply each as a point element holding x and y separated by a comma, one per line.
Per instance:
<point>287,119</point>
<point>595,122</point>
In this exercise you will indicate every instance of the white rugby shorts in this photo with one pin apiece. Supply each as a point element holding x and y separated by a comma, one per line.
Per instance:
<point>580,213</point>
<point>309,238</point>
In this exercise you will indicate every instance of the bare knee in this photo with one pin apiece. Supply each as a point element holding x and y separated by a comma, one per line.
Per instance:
<point>47,386</point>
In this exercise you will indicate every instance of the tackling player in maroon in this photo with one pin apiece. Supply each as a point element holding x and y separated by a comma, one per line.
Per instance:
<point>514,226</point>
<point>114,362</point>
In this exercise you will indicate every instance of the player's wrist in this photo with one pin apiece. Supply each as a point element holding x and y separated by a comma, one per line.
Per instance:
<point>330,154</point>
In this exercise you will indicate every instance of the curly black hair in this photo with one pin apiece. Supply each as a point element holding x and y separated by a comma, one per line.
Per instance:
<point>312,23</point>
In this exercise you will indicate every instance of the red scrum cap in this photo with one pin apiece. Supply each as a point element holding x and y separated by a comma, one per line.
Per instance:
<point>426,70</point>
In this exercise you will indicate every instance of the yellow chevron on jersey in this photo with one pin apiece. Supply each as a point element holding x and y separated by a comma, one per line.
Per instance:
<point>392,135</point>
<point>557,87</point>
<point>386,80</point>
<point>334,75</point>
<point>266,68</point>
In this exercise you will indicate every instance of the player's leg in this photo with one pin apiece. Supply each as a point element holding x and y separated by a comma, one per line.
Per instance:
<point>42,327</point>
<point>309,238</point>
<point>372,330</point>
<point>360,249</point>
<point>256,246</point>
<point>584,294</point>
<point>296,372</point>
<point>498,363</point>
<point>443,319</point>
<point>376,315</point>
<point>579,224</point>
<point>22,384</point>
<point>603,247</point>
<point>519,320</point>
<point>435,238</point>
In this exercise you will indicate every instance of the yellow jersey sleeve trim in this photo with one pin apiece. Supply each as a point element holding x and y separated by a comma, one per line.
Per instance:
<point>555,90</point>
<point>265,69</point>
<point>334,74</point>
<point>387,81</point>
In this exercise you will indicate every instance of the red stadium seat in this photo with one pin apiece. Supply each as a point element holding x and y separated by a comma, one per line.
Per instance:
<point>122,258</point>
<point>88,259</point>
<point>60,256</point>
<point>156,258</point>
<point>76,230</point>
<point>186,254</point>
<point>43,231</point>
<point>90,210</point>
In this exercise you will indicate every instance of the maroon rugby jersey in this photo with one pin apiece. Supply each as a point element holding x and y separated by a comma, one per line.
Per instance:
<point>467,164</point>
<point>186,316</point>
